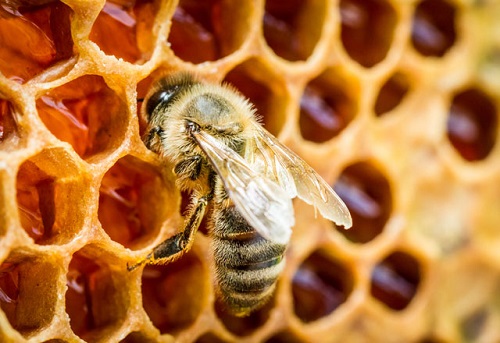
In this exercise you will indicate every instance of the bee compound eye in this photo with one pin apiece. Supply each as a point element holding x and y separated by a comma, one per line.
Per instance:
<point>161,96</point>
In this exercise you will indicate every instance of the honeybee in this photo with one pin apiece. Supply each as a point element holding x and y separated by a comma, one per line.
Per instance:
<point>227,160</point>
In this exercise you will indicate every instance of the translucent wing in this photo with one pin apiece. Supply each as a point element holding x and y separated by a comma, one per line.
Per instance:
<point>266,207</point>
<point>295,176</point>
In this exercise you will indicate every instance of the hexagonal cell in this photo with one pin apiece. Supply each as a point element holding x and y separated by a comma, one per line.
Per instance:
<point>134,202</point>
<point>270,103</point>
<point>367,29</point>
<point>87,114</point>
<point>124,29</point>
<point>33,37</point>
<point>367,194</point>
<point>97,298</point>
<point>392,93</point>
<point>320,285</point>
<point>208,30</point>
<point>395,280</point>
<point>327,106</point>
<point>8,126</point>
<point>292,28</point>
<point>52,197</point>
<point>433,31</point>
<point>244,326</point>
<point>28,293</point>
<point>173,295</point>
<point>472,124</point>
<point>285,337</point>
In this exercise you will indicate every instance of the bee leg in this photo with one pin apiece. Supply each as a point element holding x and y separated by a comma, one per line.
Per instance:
<point>175,246</point>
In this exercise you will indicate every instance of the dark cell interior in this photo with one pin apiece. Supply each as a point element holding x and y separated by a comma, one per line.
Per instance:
<point>367,29</point>
<point>131,23</point>
<point>172,294</point>
<point>367,194</point>
<point>137,337</point>
<point>392,93</point>
<point>133,202</point>
<point>92,297</point>
<point>210,338</point>
<point>395,280</point>
<point>326,108</point>
<point>285,337</point>
<point>243,326</point>
<point>300,21</point>
<point>472,124</point>
<point>473,326</point>
<point>8,126</point>
<point>28,294</point>
<point>208,30</point>
<point>270,107</point>
<point>86,113</point>
<point>33,38</point>
<point>433,31</point>
<point>319,286</point>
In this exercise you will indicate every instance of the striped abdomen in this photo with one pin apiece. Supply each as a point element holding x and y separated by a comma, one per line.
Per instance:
<point>247,265</point>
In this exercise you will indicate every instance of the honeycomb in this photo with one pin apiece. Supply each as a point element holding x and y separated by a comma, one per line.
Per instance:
<point>395,103</point>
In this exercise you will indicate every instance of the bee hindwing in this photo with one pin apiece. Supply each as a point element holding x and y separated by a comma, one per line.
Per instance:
<point>261,201</point>
<point>295,176</point>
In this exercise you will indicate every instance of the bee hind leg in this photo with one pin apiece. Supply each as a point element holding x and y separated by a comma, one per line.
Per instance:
<point>175,246</point>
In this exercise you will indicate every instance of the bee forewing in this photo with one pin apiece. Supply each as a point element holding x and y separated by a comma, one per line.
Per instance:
<point>262,202</point>
<point>296,177</point>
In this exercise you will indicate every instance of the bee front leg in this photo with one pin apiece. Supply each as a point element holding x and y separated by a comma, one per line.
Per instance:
<point>175,246</point>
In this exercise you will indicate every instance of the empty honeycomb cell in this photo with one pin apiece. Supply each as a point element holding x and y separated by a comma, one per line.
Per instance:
<point>472,124</point>
<point>367,29</point>
<point>134,202</point>
<point>97,298</point>
<point>173,295</point>
<point>268,102</point>
<point>367,194</point>
<point>285,337</point>
<point>209,30</point>
<point>392,93</point>
<point>33,37</point>
<point>395,280</point>
<point>51,200</point>
<point>433,30</point>
<point>124,29</point>
<point>320,285</point>
<point>8,127</point>
<point>300,21</point>
<point>86,113</point>
<point>28,293</point>
<point>244,326</point>
<point>327,106</point>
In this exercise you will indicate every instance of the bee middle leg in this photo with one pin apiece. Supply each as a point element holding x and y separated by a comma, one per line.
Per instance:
<point>175,246</point>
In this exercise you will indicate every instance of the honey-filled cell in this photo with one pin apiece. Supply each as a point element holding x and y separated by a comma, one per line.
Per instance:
<point>433,31</point>
<point>391,94</point>
<point>367,194</point>
<point>209,30</point>
<point>28,293</point>
<point>133,202</point>
<point>8,125</point>
<point>367,29</point>
<point>327,106</point>
<point>124,29</point>
<point>472,125</point>
<point>96,297</point>
<point>86,113</point>
<point>173,295</point>
<point>293,28</point>
<point>33,37</point>
<point>269,103</point>
<point>395,280</point>
<point>51,200</point>
<point>320,285</point>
